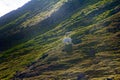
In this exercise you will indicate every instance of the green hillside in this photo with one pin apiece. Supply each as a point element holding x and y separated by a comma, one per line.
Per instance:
<point>33,50</point>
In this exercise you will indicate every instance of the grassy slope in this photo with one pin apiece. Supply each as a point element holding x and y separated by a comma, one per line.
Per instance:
<point>100,37</point>
<point>97,56</point>
<point>15,28</point>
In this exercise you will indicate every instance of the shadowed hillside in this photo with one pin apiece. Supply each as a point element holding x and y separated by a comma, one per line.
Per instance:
<point>31,41</point>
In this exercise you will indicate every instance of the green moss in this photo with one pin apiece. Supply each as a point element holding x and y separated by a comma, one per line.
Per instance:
<point>10,24</point>
<point>102,16</point>
<point>93,39</point>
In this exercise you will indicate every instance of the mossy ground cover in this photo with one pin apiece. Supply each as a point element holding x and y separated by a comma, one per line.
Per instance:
<point>95,51</point>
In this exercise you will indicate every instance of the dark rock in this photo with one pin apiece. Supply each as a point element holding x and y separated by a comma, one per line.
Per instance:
<point>81,76</point>
<point>109,79</point>
<point>44,56</point>
<point>68,48</point>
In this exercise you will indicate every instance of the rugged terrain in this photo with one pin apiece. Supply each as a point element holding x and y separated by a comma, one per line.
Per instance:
<point>31,40</point>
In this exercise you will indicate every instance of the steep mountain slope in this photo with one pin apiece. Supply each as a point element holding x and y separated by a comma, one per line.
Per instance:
<point>36,51</point>
<point>97,57</point>
<point>34,21</point>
